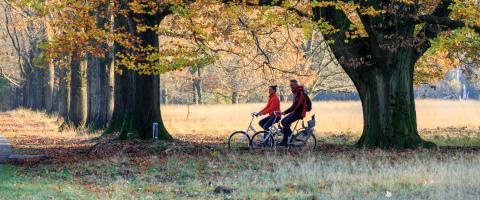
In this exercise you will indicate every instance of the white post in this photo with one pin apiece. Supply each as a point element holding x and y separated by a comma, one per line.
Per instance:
<point>155,131</point>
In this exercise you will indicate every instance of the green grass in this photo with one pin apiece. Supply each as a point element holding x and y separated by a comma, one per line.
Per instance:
<point>22,183</point>
<point>358,174</point>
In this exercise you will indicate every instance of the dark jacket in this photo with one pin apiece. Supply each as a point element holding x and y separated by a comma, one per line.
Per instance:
<point>299,105</point>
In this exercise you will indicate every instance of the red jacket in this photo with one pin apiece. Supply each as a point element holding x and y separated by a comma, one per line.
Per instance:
<point>272,105</point>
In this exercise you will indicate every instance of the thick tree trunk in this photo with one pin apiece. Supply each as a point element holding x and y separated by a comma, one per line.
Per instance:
<point>100,93</point>
<point>93,90</point>
<point>120,83</point>
<point>100,83</point>
<point>143,97</point>
<point>142,108</point>
<point>120,98</point>
<point>77,112</point>
<point>388,104</point>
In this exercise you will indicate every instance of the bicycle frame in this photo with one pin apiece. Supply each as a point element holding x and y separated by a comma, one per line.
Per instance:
<point>250,127</point>
<point>272,130</point>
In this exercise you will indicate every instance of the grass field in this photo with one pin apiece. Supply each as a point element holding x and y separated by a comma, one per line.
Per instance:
<point>215,122</point>
<point>187,169</point>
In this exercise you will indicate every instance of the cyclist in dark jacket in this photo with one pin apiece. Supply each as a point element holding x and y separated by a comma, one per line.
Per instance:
<point>296,112</point>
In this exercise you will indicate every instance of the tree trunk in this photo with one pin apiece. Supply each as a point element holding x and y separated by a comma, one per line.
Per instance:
<point>101,82</point>
<point>234,97</point>
<point>77,113</point>
<point>143,96</point>
<point>110,88</point>
<point>164,96</point>
<point>49,85</point>
<point>388,104</point>
<point>119,83</point>
<point>63,93</point>
<point>38,89</point>
<point>194,92</point>
<point>198,86</point>
<point>142,108</point>
<point>27,95</point>
<point>101,93</point>
<point>93,90</point>
<point>283,97</point>
<point>120,98</point>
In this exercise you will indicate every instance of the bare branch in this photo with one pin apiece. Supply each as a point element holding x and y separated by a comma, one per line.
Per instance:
<point>9,78</point>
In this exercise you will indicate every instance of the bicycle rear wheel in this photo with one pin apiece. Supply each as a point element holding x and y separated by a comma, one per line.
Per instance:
<point>239,140</point>
<point>303,141</point>
<point>262,139</point>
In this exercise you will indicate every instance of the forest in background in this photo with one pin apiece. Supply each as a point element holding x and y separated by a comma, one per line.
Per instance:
<point>228,80</point>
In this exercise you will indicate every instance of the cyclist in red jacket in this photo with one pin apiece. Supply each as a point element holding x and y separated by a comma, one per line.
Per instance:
<point>272,109</point>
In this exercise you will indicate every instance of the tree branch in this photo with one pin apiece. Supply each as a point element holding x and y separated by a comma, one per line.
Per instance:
<point>436,23</point>
<point>444,21</point>
<point>9,78</point>
<point>271,3</point>
<point>347,51</point>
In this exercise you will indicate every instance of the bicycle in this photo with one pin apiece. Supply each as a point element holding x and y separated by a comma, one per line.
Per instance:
<point>302,137</point>
<point>241,139</point>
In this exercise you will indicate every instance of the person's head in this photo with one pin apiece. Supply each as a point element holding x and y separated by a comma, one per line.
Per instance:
<point>293,84</point>
<point>272,89</point>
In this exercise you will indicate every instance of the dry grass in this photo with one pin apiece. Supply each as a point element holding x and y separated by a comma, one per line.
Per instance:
<point>158,170</point>
<point>359,174</point>
<point>37,132</point>
<point>333,117</point>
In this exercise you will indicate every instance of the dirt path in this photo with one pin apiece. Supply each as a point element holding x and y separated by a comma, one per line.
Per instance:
<point>5,150</point>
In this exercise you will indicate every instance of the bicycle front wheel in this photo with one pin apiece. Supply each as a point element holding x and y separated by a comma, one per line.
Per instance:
<point>262,139</point>
<point>239,140</point>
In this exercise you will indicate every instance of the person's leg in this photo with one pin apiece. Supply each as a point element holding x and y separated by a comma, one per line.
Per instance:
<point>263,121</point>
<point>287,131</point>
<point>277,119</point>
<point>269,123</point>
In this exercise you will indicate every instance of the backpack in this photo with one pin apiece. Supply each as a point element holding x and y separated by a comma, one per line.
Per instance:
<point>309,103</point>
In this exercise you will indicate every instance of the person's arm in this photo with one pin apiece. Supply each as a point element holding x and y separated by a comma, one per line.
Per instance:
<point>293,106</point>
<point>267,107</point>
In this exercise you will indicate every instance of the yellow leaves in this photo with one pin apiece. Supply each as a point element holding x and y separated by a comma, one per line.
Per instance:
<point>371,11</point>
<point>407,2</point>
<point>320,4</point>
<point>433,67</point>
<point>142,28</point>
<point>467,11</point>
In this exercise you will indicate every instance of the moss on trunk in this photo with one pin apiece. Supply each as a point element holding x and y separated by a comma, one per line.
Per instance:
<point>388,104</point>
<point>139,95</point>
